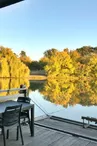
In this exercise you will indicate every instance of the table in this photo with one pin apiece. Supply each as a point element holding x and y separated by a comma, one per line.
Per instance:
<point>25,106</point>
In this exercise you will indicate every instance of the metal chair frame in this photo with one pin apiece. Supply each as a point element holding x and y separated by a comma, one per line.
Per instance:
<point>25,113</point>
<point>10,119</point>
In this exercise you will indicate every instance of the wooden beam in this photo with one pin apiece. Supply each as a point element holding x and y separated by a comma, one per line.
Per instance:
<point>4,3</point>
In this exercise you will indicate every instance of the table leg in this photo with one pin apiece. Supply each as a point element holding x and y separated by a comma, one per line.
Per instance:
<point>32,121</point>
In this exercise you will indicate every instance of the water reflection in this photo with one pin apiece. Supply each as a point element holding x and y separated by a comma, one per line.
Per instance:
<point>60,92</point>
<point>66,93</point>
<point>12,83</point>
<point>78,97</point>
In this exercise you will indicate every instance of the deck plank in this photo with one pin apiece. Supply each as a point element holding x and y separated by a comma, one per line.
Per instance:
<point>92,144</point>
<point>81,142</point>
<point>46,137</point>
<point>64,141</point>
<point>69,127</point>
<point>47,140</point>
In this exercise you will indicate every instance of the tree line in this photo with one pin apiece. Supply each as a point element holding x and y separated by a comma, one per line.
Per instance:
<point>78,63</point>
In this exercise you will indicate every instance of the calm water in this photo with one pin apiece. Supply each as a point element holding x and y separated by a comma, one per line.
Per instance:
<point>71,112</point>
<point>69,100</point>
<point>60,98</point>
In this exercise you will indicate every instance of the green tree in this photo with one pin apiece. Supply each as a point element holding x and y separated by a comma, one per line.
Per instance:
<point>50,52</point>
<point>23,54</point>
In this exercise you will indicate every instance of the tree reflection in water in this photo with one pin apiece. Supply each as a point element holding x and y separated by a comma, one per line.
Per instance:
<point>62,92</point>
<point>12,83</point>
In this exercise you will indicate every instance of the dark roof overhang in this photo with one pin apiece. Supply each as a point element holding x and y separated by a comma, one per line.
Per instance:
<point>4,3</point>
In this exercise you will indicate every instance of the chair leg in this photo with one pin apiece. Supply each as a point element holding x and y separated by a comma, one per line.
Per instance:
<point>3,132</point>
<point>21,135</point>
<point>17,135</point>
<point>7,136</point>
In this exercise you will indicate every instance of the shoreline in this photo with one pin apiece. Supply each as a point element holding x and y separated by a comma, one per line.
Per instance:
<point>30,77</point>
<point>37,77</point>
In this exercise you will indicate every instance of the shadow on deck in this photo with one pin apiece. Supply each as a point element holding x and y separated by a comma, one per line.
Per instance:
<point>50,132</point>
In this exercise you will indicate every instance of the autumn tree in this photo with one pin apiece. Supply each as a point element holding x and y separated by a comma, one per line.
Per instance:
<point>25,59</point>
<point>10,65</point>
<point>59,65</point>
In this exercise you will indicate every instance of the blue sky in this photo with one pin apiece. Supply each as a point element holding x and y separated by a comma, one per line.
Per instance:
<point>38,25</point>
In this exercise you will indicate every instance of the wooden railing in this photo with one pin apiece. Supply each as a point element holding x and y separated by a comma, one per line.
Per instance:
<point>13,89</point>
<point>22,91</point>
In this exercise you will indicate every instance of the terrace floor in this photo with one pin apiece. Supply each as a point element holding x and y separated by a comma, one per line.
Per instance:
<point>50,132</point>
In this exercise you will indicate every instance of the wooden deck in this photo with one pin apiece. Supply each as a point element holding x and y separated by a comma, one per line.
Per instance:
<point>50,136</point>
<point>69,128</point>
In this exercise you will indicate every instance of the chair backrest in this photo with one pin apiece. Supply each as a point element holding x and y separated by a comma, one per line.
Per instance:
<point>11,116</point>
<point>24,99</point>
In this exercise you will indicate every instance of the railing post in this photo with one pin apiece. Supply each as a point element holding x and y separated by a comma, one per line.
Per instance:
<point>23,91</point>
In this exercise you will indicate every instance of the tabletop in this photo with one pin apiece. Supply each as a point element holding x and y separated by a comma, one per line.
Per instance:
<point>5,104</point>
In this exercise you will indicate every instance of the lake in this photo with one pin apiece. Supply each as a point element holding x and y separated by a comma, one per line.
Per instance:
<point>58,97</point>
<point>71,112</point>
<point>67,100</point>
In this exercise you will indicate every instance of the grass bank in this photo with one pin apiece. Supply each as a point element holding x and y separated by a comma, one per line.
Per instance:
<point>37,77</point>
